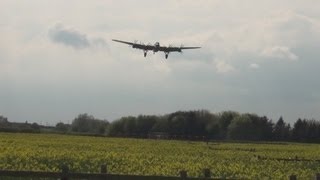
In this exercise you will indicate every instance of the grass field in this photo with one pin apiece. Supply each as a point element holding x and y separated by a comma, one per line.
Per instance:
<point>47,152</point>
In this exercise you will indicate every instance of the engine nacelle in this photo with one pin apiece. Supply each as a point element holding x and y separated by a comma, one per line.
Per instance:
<point>166,54</point>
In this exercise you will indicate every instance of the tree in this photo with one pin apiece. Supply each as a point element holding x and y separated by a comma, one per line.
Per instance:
<point>161,125</point>
<point>281,130</point>
<point>61,127</point>
<point>263,127</point>
<point>299,130</point>
<point>82,123</point>
<point>177,125</point>
<point>85,123</point>
<point>3,120</point>
<point>144,124</point>
<point>116,128</point>
<point>35,126</point>
<point>190,123</point>
<point>225,119</point>
<point>313,129</point>
<point>202,119</point>
<point>241,128</point>
<point>250,127</point>
<point>129,125</point>
<point>213,128</point>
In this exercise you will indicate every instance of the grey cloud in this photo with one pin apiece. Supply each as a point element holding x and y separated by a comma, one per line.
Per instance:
<point>73,38</point>
<point>221,75</point>
<point>68,37</point>
<point>280,52</point>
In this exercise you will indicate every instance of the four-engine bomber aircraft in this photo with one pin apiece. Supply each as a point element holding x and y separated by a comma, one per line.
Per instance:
<point>155,48</point>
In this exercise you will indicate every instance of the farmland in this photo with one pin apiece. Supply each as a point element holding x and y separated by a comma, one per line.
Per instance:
<point>47,152</point>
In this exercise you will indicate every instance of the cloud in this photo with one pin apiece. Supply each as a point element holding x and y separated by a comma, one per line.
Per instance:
<point>223,67</point>
<point>254,66</point>
<point>278,35</point>
<point>221,75</point>
<point>99,42</point>
<point>70,37</point>
<point>279,52</point>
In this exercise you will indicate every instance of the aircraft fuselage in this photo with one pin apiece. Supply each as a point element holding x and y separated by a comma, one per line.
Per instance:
<point>156,47</point>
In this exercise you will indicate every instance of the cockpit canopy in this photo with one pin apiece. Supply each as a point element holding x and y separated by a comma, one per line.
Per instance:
<point>157,44</point>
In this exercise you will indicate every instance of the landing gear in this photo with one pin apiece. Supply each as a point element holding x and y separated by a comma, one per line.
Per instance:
<point>144,53</point>
<point>166,55</point>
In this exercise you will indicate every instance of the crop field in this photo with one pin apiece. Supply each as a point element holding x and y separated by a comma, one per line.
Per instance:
<point>47,152</point>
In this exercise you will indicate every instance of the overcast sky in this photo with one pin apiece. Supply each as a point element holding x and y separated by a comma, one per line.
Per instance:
<point>57,59</point>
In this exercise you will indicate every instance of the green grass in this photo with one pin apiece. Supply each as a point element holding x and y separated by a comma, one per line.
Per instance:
<point>47,152</point>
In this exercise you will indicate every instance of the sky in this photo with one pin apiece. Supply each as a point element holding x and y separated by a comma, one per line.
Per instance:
<point>57,59</point>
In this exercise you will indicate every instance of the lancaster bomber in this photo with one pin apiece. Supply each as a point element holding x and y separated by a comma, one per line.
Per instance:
<point>155,48</point>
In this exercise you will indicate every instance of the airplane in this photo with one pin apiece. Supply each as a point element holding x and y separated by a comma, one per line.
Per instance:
<point>155,48</point>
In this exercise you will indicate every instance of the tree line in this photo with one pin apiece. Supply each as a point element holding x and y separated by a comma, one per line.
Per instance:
<point>202,124</point>
<point>6,126</point>
<point>196,125</point>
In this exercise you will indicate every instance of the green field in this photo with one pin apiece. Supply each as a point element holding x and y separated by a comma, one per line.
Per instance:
<point>47,152</point>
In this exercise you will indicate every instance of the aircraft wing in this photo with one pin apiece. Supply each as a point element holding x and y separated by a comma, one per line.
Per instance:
<point>190,47</point>
<point>178,49</point>
<point>125,42</point>
<point>136,45</point>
